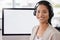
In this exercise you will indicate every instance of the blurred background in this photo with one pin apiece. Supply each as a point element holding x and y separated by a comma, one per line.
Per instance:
<point>28,4</point>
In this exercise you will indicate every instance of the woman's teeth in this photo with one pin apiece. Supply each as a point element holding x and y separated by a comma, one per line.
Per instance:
<point>42,18</point>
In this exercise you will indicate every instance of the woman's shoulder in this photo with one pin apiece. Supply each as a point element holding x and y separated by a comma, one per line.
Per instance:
<point>54,32</point>
<point>53,29</point>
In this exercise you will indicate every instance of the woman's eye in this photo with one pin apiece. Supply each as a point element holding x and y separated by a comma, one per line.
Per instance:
<point>44,12</point>
<point>38,11</point>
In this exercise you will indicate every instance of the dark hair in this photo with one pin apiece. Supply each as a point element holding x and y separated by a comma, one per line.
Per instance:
<point>49,7</point>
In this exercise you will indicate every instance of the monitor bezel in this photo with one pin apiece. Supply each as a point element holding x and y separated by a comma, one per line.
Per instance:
<point>12,9</point>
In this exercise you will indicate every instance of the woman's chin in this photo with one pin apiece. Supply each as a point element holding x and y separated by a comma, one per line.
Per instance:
<point>41,21</point>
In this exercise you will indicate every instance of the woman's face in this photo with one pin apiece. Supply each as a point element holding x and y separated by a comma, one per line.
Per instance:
<point>42,13</point>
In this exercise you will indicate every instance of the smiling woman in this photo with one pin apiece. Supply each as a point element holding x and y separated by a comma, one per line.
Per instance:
<point>44,13</point>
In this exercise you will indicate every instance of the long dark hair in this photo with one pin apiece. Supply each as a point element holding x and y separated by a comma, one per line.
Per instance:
<point>49,7</point>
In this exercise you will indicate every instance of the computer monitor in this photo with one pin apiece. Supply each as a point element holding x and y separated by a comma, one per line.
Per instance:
<point>18,21</point>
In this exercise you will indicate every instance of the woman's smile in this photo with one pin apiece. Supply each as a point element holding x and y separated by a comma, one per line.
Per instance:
<point>41,18</point>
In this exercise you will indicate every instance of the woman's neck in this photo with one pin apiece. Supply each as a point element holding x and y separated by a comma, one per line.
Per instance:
<point>42,28</point>
<point>43,25</point>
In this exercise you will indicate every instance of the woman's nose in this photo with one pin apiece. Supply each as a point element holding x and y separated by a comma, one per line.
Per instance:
<point>40,14</point>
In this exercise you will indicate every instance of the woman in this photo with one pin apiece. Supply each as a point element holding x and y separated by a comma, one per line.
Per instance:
<point>44,31</point>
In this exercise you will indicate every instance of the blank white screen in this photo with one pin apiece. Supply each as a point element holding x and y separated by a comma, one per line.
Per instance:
<point>19,21</point>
